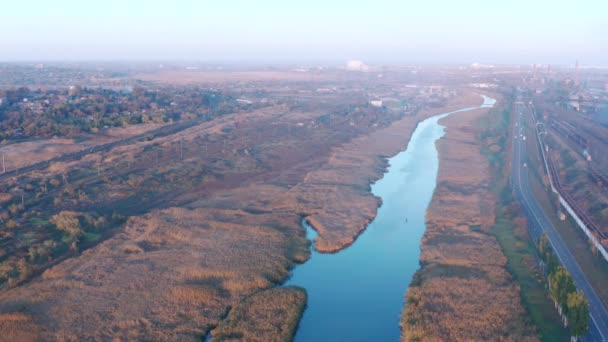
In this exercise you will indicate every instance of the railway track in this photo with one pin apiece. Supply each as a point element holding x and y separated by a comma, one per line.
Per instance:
<point>567,130</point>
<point>155,133</point>
<point>579,212</point>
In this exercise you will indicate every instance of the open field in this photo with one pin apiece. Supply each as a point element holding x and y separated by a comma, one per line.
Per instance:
<point>167,275</point>
<point>21,154</point>
<point>158,239</point>
<point>463,290</point>
<point>223,77</point>
<point>267,316</point>
<point>341,188</point>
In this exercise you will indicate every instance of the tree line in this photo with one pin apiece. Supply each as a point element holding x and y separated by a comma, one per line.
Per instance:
<point>571,303</point>
<point>69,112</point>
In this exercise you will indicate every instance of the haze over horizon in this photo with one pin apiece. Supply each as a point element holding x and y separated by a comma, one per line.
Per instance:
<point>385,31</point>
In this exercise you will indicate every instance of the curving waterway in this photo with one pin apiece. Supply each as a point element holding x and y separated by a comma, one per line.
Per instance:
<point>357,294</point>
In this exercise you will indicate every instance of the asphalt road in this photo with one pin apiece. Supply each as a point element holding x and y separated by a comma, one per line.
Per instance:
<point>598,327</point>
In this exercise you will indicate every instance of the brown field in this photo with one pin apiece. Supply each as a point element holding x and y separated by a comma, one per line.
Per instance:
<point>222,77</point>
<point>22,154</point>
<point>169,275</point>
<point>463,290</point>
<point>267,316</point>
<point>340,190</point>
<point>215,215</point>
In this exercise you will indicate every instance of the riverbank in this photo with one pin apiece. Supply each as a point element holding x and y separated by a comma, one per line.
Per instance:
<point>174,273</point>
<point>336,199</point>
<point>269,315</point>
<point>356,294</point>
<point>463,290</point>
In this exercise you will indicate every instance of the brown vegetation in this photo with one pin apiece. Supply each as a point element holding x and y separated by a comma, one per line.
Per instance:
<point>463,290</point>
<point>22,154</point>
<point>215,217</point>
<point>215,77</point>
<point>168,276</point>
<point>267,316</point>
<point>337,197</point>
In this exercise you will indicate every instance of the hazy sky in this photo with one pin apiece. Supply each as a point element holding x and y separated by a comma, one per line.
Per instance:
<point>461,31</point>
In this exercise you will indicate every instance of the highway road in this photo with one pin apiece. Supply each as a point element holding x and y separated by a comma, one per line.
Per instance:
<point>598,330</point>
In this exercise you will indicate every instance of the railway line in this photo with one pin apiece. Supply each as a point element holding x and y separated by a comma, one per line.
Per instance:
<point>554,178</point>
<point>568,131</point>
<point>155,133</point>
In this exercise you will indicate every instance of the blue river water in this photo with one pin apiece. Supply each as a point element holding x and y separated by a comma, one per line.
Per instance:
<point>358,293</point>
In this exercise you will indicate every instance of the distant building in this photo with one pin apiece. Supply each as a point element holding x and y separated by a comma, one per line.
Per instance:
<point>74,90</point>
<point>484,85</point>
<point>356,65</point>
<point>481,66</point>
<point>243,101</point>
<point>393,104</point>
<point>376,103</point>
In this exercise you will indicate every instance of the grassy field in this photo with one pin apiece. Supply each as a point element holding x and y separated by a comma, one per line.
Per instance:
<point>520,252</point>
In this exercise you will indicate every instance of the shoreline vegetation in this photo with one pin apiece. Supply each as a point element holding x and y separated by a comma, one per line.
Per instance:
<point>368,150</point>
<point>173,273</point>
<point>267,316</point>
<point>464,290</point>
<point>347,205</point>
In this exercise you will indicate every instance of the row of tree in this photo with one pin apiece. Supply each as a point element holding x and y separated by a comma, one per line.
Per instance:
<point>571,304</point>
<point>60,112</point>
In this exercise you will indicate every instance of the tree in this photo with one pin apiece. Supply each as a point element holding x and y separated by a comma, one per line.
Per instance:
<point>12,224</point>
<point>543,244</point>
<point>24,269</point>
<point>546,253</point>
<point>68,222</point>
<point>560,285</point>
<point>578,314</point>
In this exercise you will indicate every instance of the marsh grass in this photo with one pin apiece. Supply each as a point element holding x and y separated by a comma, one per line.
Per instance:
<point>267,316</point>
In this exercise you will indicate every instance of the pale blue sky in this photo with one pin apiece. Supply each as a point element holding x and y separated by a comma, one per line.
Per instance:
<point>464,31</point>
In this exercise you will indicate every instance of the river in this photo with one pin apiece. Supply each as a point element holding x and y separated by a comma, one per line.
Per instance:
<point>357,294</point>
